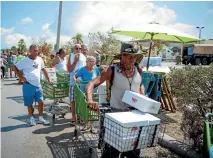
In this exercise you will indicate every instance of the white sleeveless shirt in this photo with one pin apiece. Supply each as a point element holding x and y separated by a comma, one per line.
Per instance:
<point>120,85</point>
<point>62,65</point>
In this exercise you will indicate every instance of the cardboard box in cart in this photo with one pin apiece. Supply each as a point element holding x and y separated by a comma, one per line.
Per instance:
<point>52,74</point>
<point>102,93</point>
<point>123,128</point>
<point>141,102</point>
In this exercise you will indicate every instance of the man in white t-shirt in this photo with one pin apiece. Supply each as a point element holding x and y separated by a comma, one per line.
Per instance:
<point>32,91</point>
<point>76,61</point>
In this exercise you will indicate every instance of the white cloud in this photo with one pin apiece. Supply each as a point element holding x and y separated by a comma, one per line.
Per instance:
<point>186,28</point>
<point>102,16</point>
<point>210,11</point>
<point>12,39</point>
<point>27,20</point>
<point>5,31</point>
<point>45,26</point>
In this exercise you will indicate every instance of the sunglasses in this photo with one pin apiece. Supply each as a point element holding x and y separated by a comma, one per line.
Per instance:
<point>78,48</point>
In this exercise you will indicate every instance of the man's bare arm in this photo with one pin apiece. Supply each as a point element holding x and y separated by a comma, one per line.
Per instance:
<point>55,61</point>
<point>46,74</point>
<point>71,67</point>
<point>142,90</point>
<point>18,73</point>
<point>105,75</point>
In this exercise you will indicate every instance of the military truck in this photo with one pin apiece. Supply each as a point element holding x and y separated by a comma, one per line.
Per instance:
<point>197,54</point>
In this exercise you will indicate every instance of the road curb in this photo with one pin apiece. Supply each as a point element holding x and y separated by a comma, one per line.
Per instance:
<point>177,147</point>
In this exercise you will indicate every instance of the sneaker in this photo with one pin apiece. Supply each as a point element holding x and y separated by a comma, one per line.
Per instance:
<point>41,120</point>
<point>32,122</point>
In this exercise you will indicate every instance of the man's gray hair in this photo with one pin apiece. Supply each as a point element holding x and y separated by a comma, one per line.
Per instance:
<point>90,58</point>
<point>33,46</point>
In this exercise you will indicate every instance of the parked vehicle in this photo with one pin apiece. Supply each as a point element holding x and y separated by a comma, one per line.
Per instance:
<point>197,54</point>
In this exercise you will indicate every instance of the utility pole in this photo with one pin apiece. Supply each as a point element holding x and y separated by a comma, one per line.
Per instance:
<point>59,27</point>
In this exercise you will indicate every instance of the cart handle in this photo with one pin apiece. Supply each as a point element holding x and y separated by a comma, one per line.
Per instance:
<point>208,115</point>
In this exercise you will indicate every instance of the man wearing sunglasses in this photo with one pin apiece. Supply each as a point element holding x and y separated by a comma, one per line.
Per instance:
<point>76,61</point>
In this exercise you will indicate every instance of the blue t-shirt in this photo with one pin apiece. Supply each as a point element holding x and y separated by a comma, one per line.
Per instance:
<point>87,76</point>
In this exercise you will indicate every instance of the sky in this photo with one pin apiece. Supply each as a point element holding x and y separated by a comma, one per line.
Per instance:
<point>34,21</point>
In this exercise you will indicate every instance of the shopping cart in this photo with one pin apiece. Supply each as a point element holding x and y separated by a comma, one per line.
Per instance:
<point>111,135</point>
<point>86,115</point>
<point>59,90</point>
<point>208,136</point>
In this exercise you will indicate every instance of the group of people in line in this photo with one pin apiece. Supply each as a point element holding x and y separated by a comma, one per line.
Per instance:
<point>125,75</point>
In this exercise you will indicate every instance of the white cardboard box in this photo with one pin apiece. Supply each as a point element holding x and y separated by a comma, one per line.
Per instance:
<point>102,89</point>
<point>122,129</point>
<point>102,98</point>
<point>52,74</point>
<point>141,102</point>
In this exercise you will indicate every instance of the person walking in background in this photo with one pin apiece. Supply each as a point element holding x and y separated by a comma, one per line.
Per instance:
<point>76,61</point>
<point>32,91</point>
<point>3,64</point>
<point>19,58</point>
<point>10,63</point>
<point>59,62</point>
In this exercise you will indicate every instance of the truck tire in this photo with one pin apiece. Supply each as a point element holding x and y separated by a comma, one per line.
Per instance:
<point>205,61</point>
<point>197,61</point>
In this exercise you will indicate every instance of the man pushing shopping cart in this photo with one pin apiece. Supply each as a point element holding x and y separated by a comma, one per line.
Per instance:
<point>122,76</point>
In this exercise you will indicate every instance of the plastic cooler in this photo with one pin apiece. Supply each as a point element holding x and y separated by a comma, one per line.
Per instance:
<point>127,131</point>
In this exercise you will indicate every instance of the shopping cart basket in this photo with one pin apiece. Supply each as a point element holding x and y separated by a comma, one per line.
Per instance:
<point>56,91</point>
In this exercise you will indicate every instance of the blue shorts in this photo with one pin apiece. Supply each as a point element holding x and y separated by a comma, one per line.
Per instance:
<point>31,93</point>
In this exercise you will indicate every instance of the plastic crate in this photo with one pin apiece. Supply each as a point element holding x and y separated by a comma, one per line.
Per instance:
<point>57,90</point>
<point>156,91</point>
<point>82,109</point>
<point>148,80</point>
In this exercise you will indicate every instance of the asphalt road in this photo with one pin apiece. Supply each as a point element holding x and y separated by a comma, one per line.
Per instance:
<point>19,140</point>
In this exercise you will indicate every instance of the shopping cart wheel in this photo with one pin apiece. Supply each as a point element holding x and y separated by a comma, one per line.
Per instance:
<point>121,155</point>
<point>53,117</point>
<point>90,150</point>
<point>75,132</point>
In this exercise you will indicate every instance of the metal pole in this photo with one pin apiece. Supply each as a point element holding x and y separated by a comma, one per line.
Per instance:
<point>59,26</point>
<point>199,32</point>
<point>150,47</point>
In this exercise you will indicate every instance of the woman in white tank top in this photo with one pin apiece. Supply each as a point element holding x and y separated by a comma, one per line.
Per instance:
<point>59,62</point>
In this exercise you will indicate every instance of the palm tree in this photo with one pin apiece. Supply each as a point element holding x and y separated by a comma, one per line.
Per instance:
<point>14,49</point>
<point>22,46</point>
<point>78,38</point>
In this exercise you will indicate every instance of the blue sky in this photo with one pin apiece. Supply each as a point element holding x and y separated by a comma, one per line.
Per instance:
<point>39,19</point>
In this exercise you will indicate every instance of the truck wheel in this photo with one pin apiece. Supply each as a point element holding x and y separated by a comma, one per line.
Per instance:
<point>204,61</point>
<point>197,61</point>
